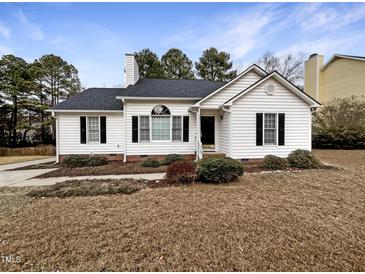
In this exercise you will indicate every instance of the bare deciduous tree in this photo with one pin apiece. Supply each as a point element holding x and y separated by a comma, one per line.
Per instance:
<point>290,66</point>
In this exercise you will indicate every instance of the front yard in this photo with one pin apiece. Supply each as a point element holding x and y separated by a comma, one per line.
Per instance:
<point>290,221</point>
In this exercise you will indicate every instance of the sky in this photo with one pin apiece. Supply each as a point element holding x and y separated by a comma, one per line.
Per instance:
<point>95,36</point>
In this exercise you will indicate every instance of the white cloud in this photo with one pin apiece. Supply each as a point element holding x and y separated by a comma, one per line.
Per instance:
<point>5,50</point>
<point>4,31</point>
<point>34,30</point>
<point>324,18</point>
<point>327,45</point>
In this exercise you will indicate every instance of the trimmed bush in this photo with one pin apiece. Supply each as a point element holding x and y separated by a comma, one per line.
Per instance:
<point>340,123</point>
<point>170,158</point>
<point>151,162</point>
<point>181,172</point>
<point>303,159</point>
<point>219,169</point>
<point>273,162</point>
<point>84,161</point>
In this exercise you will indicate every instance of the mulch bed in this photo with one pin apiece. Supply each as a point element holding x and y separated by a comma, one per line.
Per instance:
<point>112,168</point>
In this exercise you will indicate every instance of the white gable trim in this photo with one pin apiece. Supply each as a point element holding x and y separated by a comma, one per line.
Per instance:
<point>254,67</point>
<point>282,80</point>
<point>358,58</point>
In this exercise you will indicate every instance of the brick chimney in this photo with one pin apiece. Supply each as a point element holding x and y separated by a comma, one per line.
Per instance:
<point>131,72</point>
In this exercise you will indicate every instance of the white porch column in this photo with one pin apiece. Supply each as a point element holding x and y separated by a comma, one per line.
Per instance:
<point>199,149</point>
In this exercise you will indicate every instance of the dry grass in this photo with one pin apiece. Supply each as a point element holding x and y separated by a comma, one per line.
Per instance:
<point>301,221</point>
<point>95,187</point>
<point>112,168</point>
<point>17,159</point>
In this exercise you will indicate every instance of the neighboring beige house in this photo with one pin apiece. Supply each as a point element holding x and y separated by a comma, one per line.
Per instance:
<point>341,76</point>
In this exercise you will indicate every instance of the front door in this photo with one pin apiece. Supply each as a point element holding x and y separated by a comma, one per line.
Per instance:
<point>207,126</point>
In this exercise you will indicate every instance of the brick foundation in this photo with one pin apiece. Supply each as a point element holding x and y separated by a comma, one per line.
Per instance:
<point>138,158</point>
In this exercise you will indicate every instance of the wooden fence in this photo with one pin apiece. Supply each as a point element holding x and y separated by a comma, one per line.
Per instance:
<point>28,151</point>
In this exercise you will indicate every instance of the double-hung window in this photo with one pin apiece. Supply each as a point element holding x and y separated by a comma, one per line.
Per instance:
<point>270,129</point>
<point>93,129</point>
<point>176,128</point>
<point>161,128</point>
<point>144,129</point>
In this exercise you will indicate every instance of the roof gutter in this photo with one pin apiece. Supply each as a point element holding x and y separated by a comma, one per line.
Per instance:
<point>157,98</point>
<point>82,110</point>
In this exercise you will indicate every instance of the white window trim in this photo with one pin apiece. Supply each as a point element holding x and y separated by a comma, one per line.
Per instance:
<point>276,129</point>
<point>139,128</point>
<point>160,141</point>
<point>150,129</point>
<point>87,130</point>
<point>181,128</point>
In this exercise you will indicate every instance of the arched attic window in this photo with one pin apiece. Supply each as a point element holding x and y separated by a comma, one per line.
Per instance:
<point>160,110</point>
<point>161,123</point>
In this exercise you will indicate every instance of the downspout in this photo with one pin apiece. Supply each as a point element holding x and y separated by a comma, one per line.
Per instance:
<point>125,130</point>
<point>229,131</point>
<point>57,139</point>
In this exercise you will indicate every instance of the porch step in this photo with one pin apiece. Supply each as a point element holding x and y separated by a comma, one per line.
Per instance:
<point>213,154</point>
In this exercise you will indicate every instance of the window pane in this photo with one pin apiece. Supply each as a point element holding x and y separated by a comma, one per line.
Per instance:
<point>144,128</point>
<point>93,126</point>
<point>270,129</point>
<point>176,128</point>
<point>161,128</point>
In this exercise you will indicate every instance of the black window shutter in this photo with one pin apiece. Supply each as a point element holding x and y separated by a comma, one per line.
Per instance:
<point>281,129</point>
<point>82,129</point>
<point>103,129</point>
<point>259,117</point>
<point>135,129</point>
<point>186,129</point>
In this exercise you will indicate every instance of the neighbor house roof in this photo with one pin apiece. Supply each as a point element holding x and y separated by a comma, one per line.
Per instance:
<point>93,99</point>
<point>107,98</point>
<point>337,56</point>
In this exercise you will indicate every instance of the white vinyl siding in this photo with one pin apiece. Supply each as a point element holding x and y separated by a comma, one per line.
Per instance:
<point>223,133</point>
<point>227,93</point>
<point>243,115</point>
<point>177,108</point>
<point>69,134</point>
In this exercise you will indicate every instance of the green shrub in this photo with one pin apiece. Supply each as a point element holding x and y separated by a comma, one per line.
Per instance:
<point>181,172</point>
<point>151,162</point>
<point>340,123</point>
<point>273,162</point>
<point>170,158</point>
<point>219,169</point>
<point>302,159</point>
<point>84,161</point>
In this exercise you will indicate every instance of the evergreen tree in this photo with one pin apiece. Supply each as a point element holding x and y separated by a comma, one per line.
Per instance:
<point>149,65</point>
<point>177,65</point>
<point>215,65</point>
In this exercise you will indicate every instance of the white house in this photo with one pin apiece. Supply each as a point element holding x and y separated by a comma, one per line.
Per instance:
<point>251,116</point>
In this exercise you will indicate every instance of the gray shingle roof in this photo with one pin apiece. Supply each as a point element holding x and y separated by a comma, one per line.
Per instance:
<point>171,88</point>
<point>105,98</point>
<point>93,99</point>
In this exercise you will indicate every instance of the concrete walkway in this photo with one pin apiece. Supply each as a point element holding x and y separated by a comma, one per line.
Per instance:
<point>10,177</point>
<point>27,163</point>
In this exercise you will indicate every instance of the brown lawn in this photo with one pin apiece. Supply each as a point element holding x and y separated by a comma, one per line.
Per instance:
<point>300,221</point>
<point>17,159</point>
